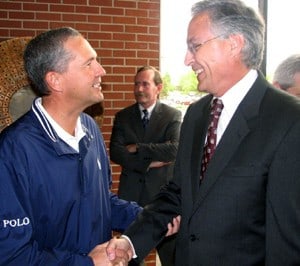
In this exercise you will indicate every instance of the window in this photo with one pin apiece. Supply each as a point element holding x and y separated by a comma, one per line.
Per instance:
<point>282,36</point>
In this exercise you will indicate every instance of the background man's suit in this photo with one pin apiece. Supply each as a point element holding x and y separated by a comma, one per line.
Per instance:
<point>158,142</point>
<point>243,206</point>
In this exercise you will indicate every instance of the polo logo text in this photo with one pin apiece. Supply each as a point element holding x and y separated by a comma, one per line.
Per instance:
<point>16,222</point>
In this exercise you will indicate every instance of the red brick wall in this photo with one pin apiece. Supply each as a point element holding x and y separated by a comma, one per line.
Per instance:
<point>125,34</point>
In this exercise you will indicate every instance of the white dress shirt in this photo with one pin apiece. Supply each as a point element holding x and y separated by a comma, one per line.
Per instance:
<point>149,109</point>
<point>231,100</point>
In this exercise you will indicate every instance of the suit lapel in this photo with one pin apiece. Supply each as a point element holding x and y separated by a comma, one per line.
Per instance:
<point>153,126</point>
<point>136,122</point>
<point>223,153</point>
<point>199,136</point>
<point>234,134</point>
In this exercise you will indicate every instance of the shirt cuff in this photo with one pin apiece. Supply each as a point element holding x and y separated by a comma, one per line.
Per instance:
<point>132,247</point>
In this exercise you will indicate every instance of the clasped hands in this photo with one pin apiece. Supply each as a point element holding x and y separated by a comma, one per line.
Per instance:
<point>118,251</point>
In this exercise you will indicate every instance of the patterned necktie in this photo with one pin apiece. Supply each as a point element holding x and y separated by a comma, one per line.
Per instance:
<point>145,118</point>
<point>210,146</point>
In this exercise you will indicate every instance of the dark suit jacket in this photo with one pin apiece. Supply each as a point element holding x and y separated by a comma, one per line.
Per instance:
<point>247,209</point>
<point>158,143</point>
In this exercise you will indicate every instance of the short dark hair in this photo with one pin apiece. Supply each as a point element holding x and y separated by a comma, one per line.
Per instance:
<point>46,53</point>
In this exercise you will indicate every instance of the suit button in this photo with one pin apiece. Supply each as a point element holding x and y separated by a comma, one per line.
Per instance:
<point>193,237</point>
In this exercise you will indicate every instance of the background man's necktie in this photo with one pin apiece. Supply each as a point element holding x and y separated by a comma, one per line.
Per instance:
<point>210,146</point>
<point>145,118</point>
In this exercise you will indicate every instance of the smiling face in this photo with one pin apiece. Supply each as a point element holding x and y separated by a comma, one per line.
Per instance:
<point>146,91</point>
<point>215,59</point>
<point>81,82</point>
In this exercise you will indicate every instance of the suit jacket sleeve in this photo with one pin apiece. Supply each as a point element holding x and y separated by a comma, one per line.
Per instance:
<point>150,227</point>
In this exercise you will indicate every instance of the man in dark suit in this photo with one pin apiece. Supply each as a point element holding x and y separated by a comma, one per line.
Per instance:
<point>245,208</point>
<point>145,145</point>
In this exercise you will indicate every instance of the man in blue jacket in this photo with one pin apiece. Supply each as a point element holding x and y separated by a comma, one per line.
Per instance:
<point>56,207</point>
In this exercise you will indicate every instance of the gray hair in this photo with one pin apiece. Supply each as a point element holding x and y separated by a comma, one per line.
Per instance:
<point>229,17</point>
<point>46,53</point>
<point>286,70</point>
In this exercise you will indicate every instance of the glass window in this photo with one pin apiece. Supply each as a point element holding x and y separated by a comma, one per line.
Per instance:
<point>282,38</point>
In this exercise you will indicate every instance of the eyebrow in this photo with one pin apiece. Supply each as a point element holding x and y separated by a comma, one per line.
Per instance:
<point>90,60</point>
<point>192,39</point>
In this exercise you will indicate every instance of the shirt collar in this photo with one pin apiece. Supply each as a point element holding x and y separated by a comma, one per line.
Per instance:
<point>149,109</point>
<point>73,141</point>
<point>233,97</point>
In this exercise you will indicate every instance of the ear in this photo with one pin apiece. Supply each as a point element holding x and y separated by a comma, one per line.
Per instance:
<point>54,81</point>
<point>159,88</point>
<point>237,43</point>
<point>276,85</point>
<point>297,79</point>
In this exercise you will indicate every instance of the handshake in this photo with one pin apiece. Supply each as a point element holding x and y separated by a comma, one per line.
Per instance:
<point>119,250</point>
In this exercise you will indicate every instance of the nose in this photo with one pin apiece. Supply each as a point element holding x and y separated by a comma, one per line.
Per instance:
<point>189,58</point>
<point>100,70</point>
<point>139,87</point>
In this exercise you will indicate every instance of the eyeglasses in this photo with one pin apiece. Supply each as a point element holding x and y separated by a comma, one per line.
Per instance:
<point>193,48</point>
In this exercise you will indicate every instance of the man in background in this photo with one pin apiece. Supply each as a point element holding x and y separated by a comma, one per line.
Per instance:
<point>287,75</point>
<point>144,142</point>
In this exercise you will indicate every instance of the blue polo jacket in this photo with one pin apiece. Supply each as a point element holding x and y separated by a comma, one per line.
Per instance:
<point>55,203</point>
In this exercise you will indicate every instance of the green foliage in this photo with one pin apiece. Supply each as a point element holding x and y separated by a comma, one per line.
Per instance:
<point>188,84</point>
<point>182,94</point>
<point>168,86</point>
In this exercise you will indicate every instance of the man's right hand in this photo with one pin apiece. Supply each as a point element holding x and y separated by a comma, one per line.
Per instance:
<point>100,256</point>
<point>116,244</point>
<point>121,244</point>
